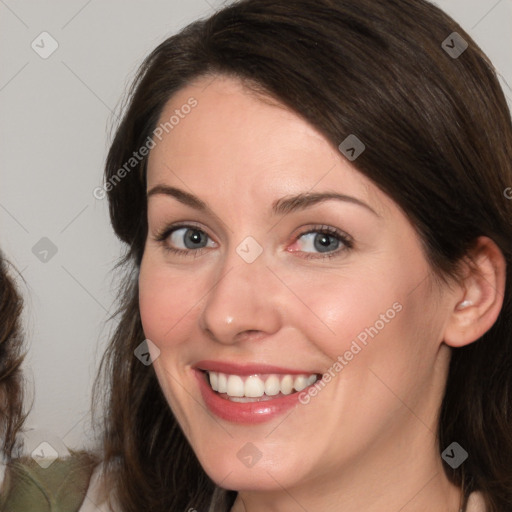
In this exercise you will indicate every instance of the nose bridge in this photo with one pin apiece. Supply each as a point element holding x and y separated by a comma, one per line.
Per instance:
<point>241,298</point>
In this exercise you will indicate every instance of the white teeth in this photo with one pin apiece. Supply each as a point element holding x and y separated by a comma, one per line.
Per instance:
<point>312,379</point>
<point>272,386</point>
<point>235,386</point>
<point>256,386</point>
<point>222,383</point>
<point>287,385</point>
<point>300,383</point>
<point>214,381</point>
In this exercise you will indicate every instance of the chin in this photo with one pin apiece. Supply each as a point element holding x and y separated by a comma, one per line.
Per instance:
<point>243,470</point>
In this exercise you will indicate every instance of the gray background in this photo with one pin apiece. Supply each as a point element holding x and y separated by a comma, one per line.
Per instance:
<point>56,118</point>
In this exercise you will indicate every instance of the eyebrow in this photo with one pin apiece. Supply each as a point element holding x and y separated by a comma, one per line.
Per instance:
<point>307,199</point>
<point>281,206</point>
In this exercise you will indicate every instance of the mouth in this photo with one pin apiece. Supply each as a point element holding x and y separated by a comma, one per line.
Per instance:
<point>251,393</point>
<point>257,387</point>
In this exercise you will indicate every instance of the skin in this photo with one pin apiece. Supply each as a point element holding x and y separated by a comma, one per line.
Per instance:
<point>367,440</point>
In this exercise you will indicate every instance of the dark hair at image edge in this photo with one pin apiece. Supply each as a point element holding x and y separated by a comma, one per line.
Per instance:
<point>438,141</point>
<point>11,357</point>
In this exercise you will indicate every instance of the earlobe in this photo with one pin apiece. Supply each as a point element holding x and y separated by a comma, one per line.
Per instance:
<point>478,305</point>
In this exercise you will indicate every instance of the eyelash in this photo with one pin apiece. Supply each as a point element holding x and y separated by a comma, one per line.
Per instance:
<point>162,236</point>
<point>342,237</point>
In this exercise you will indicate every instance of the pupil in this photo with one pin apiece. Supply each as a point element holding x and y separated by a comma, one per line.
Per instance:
<point>323,242</point>
<point>194,237</point>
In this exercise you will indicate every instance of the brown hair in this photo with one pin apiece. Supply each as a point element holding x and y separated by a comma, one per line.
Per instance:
<point>11,357</point>
<point>438,139</point>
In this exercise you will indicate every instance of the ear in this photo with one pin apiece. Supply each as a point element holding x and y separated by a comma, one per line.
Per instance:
<point>479,297</point>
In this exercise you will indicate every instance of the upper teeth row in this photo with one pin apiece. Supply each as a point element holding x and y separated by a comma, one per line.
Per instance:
<point>255,386</point>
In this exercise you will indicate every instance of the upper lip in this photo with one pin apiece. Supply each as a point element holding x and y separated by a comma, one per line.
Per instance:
<point>247,368</point>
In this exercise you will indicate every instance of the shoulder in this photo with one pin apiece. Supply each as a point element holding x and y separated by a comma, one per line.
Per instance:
<point>59,485</point>
<point>476,502</point>
<point>97,497</point>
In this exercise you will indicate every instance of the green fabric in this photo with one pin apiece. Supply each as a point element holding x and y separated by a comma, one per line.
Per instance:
<point>59,488</point>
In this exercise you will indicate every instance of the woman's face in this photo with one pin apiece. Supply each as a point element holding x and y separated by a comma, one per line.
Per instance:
<point>262,291</point>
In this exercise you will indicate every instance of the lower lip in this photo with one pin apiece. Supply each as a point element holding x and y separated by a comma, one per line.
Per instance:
<point>249,412</point>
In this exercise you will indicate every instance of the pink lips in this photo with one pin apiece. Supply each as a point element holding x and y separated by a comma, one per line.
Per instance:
<point>247,369</point>
<point>249,412</point>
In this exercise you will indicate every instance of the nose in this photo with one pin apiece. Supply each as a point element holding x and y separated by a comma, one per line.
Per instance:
<point>243,302</point>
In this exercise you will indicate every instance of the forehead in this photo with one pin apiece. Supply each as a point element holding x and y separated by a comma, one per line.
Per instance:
<point>234,141</point>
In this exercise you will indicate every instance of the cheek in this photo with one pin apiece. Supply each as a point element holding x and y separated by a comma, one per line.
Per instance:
<point>165,301</point>
<point>335,311</point>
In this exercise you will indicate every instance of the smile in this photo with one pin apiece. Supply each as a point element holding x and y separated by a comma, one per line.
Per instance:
<point>250,393</point>
<point>260,387</point>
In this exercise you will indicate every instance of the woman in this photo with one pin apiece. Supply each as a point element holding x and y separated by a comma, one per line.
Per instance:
<point>319,254</point>
<point>11,390</point>
<point>26,484</point>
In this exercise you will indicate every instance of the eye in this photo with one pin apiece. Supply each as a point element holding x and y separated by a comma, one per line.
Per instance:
<point>188,238</point>
<point>321,242</point>
<point>184,239</point>
<point>324,240</point>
